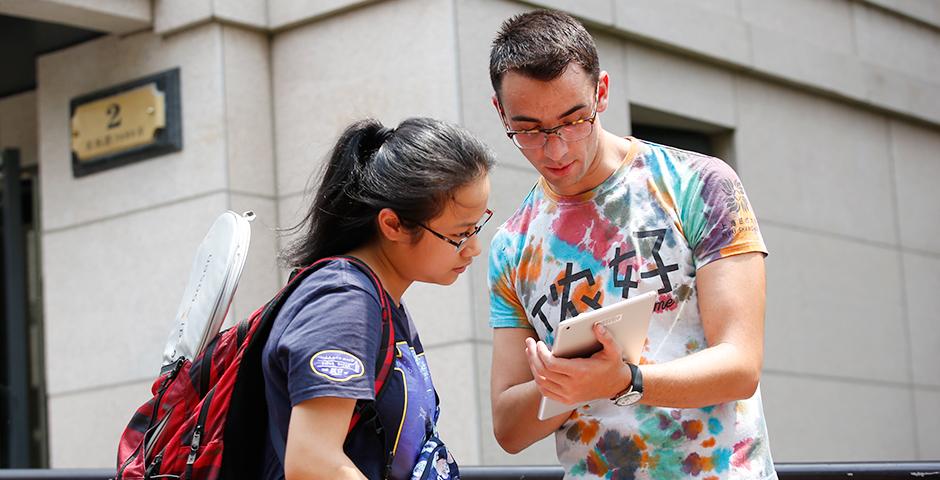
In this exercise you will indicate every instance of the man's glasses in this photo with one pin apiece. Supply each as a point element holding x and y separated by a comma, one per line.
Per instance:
<point>463,236</point>
<point>569,132</point>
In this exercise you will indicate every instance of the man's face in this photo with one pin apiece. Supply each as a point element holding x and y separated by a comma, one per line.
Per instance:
<point>570,167</point>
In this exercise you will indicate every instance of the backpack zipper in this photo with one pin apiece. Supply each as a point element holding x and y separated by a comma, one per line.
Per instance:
<point>194,447</point>
<point>164,386</point>
<point>177,366</point>
<point>388,464</point>
<point>197,434</point>
<point>152,434</point>
<point>120,473</point>
<point>154,467</point>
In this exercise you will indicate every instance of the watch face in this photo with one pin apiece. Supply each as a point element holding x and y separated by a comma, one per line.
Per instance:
<point>628,398</point>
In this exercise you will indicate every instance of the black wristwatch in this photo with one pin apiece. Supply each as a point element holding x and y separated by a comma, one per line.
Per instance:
<point>634,392</point>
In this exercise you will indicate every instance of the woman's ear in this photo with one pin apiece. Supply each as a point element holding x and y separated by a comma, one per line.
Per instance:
<point>391,228</point>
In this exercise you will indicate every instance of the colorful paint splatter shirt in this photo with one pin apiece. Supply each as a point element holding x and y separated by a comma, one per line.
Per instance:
<point>661,216</point>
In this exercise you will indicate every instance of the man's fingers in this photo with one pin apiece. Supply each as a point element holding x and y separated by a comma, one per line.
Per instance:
<point>539,359</point>
<point>572,380</point>
<point>547,369</point>
<point>545,380</point>
<point>551,362</point>
<point>545,354</point>
<point>548,386</point>
<point>607,340</point>
<point>535,363</point>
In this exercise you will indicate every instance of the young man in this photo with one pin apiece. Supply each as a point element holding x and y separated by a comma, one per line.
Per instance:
<point>610,218</point>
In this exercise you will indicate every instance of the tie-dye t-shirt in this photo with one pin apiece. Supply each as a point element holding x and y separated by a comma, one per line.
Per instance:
<point>661,216</point>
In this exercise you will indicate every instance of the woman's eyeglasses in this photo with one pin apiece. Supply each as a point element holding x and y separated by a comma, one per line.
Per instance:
<point>463,236</point>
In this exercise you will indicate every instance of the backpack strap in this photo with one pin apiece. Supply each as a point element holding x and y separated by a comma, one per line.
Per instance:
<point>388,327</point>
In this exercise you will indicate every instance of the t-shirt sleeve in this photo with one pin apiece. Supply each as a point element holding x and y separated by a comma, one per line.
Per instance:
<point>506,310</point>
<point>717,216</point>
<point>330,347</point>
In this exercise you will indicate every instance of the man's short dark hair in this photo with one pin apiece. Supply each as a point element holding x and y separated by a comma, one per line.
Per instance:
<point>540,45</point>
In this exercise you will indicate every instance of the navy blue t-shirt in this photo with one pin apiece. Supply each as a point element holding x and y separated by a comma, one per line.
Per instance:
<point>325,343</point>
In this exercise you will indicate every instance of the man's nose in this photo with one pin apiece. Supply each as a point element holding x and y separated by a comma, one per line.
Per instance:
<point>555,148</point>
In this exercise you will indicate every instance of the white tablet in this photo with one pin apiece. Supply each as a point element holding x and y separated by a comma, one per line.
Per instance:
<point>628,322</point>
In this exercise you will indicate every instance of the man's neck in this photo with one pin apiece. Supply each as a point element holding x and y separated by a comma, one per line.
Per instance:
<point>608,157</point>
<point>612,150</point>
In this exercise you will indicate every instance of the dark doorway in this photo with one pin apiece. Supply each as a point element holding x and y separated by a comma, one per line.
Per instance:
<point>22,380</point>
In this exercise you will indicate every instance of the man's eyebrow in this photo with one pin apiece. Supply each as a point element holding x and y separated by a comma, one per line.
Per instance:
<point>572,110</point>
<point>523,118</point>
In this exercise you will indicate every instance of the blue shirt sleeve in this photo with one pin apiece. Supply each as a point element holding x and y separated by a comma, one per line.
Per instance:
<point>330,345</point>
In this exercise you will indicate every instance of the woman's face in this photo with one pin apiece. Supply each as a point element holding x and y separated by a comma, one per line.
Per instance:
<point>435,259</point>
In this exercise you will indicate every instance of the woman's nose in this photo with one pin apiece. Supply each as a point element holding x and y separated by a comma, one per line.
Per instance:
<point>472,247</point>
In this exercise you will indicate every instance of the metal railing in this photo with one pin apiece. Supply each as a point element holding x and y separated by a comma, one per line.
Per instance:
<point>803,471</point>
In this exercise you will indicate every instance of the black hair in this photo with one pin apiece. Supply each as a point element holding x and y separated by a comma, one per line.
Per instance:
<point>413,169</point>
<point>541,44</point>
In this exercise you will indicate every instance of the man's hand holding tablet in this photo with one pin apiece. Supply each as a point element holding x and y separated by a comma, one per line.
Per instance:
<point>591,345</point>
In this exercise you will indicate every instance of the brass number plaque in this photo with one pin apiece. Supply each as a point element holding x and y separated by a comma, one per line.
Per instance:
<point>118,123</point>
<point>126,123</point>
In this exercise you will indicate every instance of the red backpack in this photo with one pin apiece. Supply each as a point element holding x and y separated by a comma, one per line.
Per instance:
<point>208,418</point>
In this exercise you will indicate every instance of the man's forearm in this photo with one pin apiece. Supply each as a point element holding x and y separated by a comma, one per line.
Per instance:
<point>515,418</point>
<point>718,374</point>
<point>731,294</point>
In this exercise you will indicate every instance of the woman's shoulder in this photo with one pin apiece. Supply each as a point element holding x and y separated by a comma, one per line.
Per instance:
<point>340,273</point>
<point>338,277</point>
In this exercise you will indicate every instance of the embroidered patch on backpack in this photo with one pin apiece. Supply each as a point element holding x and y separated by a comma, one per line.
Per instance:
<point>336,365</point>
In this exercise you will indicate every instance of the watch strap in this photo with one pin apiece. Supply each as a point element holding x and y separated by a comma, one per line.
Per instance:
<point>634,387</point>
<point>636,378</point>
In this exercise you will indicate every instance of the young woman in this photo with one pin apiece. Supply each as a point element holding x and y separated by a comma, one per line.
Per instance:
<point>407,203</point>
